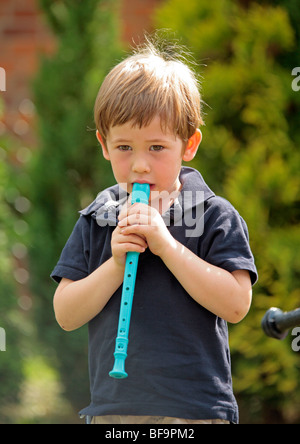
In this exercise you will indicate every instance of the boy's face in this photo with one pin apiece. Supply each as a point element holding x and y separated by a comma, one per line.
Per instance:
<point>147,155</point>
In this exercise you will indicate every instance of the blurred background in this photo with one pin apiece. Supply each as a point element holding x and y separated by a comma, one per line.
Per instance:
<point>55,54</point>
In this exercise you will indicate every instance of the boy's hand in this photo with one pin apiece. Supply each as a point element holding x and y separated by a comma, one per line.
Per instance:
<point>144,222</point>
<point>121,244</point>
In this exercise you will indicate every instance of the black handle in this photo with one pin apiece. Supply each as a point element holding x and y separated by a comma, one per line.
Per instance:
<point>276,323</point>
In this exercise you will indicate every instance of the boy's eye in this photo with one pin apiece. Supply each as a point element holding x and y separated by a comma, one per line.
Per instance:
<point>156,148</point>
<point>124,147</point>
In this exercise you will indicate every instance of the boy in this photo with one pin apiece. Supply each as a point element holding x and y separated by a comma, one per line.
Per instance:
<point>195,271</point>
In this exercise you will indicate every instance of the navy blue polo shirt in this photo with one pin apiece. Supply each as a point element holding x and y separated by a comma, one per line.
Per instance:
<point>178,354</point>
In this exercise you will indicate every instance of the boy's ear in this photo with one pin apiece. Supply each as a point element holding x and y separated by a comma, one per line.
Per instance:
<point>192,146</point>
<point>103,146</point>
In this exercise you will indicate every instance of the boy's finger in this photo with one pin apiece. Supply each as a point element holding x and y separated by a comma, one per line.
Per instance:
<point>125,208</point>
<point>137,208</point>
<point>135,219</point>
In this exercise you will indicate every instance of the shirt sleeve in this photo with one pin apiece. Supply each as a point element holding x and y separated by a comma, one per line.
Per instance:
<point>226,239</point>
<point>73,262</point>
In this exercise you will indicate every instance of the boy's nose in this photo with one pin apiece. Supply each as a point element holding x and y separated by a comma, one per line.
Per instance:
<point>140,165</point>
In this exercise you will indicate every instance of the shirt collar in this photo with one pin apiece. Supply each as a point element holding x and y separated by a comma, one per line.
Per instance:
<point>108,204</point>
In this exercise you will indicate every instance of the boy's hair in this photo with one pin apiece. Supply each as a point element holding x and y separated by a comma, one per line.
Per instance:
<point>151,82</point>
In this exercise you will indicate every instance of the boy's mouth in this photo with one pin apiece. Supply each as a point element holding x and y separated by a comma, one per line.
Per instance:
<point>152,186</point>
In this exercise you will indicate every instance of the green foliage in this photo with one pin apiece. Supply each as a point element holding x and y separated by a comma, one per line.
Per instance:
<point>10,360</point>
<point>250,156</point>
<point>67,171</point>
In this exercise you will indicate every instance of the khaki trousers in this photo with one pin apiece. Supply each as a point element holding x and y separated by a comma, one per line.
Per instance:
<point>127,419</point>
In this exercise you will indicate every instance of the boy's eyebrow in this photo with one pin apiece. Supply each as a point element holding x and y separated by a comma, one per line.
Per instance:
<point>121,140</point>
<point>157,140</point>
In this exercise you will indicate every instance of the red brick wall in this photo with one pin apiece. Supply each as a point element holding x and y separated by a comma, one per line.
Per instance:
<point>136,17</point>
<point>24,34</point>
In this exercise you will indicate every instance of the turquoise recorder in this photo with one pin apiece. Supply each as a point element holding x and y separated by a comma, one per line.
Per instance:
<point>140,193</point>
